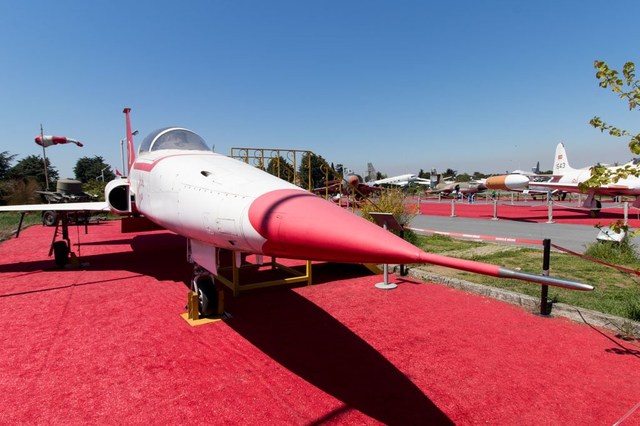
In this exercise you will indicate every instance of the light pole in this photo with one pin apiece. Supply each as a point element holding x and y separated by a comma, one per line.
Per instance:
<point>135,132</point>
<point>44,159</point>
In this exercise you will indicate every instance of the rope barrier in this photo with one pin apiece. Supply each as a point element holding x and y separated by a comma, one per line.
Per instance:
<point>592,259</point>
<point>525,241</point>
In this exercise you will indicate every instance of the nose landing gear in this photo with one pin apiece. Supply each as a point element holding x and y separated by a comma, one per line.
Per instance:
<point>206,300</point>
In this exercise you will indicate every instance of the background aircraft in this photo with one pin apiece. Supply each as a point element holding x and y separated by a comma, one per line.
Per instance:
<point>349,189</point>
<point>400,180</point>
<point>535,175</point>
<point>220,204</point>
<point>449,187</point>
<point>567,179</point>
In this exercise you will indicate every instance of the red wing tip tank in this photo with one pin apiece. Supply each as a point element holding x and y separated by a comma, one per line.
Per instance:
<point>298,224</point>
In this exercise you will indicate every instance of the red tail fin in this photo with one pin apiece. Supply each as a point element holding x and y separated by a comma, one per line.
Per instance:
<point>131,154</point>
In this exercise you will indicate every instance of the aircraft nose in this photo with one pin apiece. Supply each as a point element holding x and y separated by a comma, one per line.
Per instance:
<point>297,224</point>
<point>507,182</point>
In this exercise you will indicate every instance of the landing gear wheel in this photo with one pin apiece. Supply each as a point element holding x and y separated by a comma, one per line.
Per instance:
<point>207,295</point>
<point>49,218</point>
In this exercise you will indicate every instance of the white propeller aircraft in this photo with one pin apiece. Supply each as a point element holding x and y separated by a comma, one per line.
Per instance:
<point>400,180</point>
<point>567,179</point>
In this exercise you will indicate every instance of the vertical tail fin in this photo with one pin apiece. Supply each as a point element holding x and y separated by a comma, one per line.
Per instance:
<point>536,169</point>
<point>131,154</point>
<point>560,163</point>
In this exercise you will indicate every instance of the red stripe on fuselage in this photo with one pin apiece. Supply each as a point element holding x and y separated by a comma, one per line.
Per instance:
<point>147,167</point>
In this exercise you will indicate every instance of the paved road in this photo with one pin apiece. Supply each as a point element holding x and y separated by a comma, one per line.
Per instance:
<point>572,237</point>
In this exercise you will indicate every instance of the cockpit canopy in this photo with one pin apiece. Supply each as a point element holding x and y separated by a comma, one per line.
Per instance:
<point>173,138</point>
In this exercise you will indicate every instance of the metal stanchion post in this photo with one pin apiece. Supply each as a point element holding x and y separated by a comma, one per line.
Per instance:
<point>544,292</point>
<point>550,212</point>
<point>453,208</point>
<point>495,210</point>
<point>386,220</point>
<point>626,212</point>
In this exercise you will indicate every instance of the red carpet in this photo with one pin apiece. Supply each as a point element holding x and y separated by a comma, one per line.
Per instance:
<point>529,212</point>
<point>106,345</point>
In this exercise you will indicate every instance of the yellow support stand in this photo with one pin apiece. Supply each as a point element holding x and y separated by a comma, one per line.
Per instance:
<point>192,304</point>
<point>236,287</point>
<point>193,314</point>
<point>373,268</point>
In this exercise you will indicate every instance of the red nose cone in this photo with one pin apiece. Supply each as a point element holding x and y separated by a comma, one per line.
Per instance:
<point>300,225</point>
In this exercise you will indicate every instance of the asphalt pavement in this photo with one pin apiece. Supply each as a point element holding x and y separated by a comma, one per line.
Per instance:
<point>572,237</point>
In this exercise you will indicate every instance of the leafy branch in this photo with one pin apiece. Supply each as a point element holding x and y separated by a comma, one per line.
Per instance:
<point>628,88</point>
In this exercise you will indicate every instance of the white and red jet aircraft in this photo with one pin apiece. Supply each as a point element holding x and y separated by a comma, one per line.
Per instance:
<point>217,203</point>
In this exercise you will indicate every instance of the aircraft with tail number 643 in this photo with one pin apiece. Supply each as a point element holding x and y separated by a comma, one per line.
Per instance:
<point>567,179</point>
<point>218,203</point>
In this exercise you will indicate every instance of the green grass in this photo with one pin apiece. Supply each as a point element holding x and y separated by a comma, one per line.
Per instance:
<point>615,293</point>
<point>9,223</point>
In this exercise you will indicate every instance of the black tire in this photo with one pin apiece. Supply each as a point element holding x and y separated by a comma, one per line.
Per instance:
<point>61,253</point>
<point>49,218</point>
<point>207,297</point>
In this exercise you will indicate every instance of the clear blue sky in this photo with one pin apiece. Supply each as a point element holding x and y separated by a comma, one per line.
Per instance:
<point>481,86</point>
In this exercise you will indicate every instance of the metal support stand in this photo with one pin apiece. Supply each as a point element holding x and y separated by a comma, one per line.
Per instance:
<point>453,208</point>
<point>550,210</point>
<point>495,210</point>
<point>20,224</point>
<point>388,222</point>
<point>234,283</point>
<point>386,285</point>
<point>545,310</point>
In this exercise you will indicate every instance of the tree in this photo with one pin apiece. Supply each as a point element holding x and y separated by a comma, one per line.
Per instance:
<point>463,177</point>
<point>380,175</point>
<point>5,164</point>
<point>95,188</point>
<point>628,88</point>
<point>93,168</point>
<point>281,168</point>
<point>450,173</point>
<point>22,191</point>
<point>31,166</point>
<point>320,171</point>
<point>478,176</point>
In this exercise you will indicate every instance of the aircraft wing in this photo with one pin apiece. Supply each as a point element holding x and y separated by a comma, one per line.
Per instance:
<point>366,189</point>
<point>331,189</point>
<point>611,189</point>
<point>96,206</point>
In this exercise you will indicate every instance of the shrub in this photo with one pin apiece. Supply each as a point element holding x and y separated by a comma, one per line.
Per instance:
<point>392,201</point>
